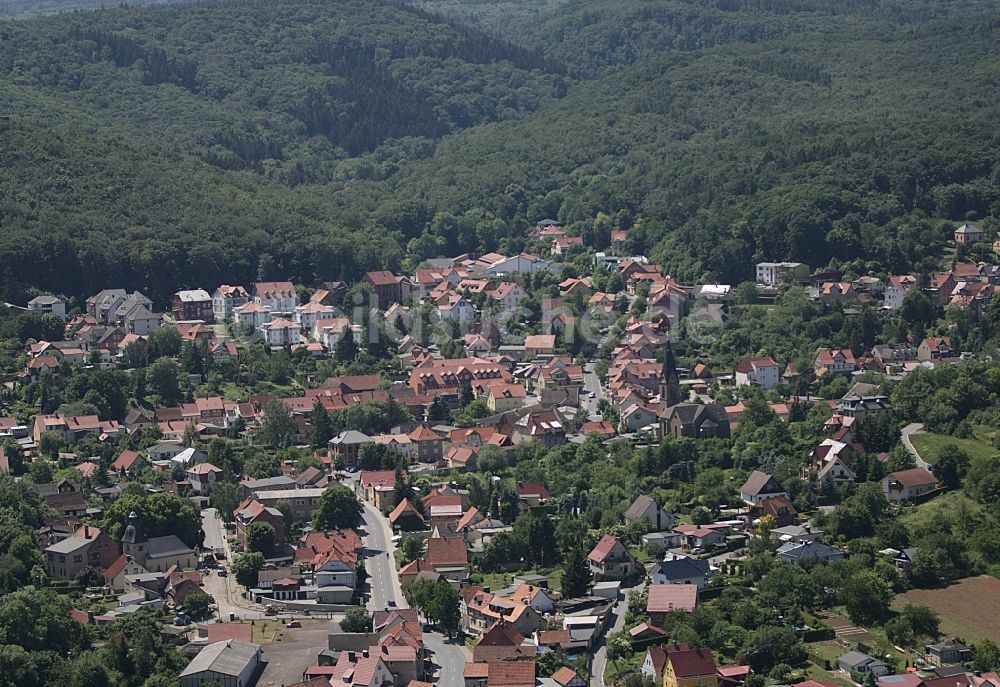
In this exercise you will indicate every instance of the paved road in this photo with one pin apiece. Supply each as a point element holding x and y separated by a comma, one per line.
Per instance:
<point>449,655</point>
<point>225,590</point>
<point>592,383</point>
<point>599,662</point>
<point>906,433</point>
<point>383,579</point>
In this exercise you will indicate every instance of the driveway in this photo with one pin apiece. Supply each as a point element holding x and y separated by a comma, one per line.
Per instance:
<point>906,434</point>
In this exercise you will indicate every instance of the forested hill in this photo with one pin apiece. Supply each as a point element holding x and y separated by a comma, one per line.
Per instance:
<point>299,84</point>
<point>31,8</point>
<point>595,37</point>
<point>812,149</point>
<point>167,147</point>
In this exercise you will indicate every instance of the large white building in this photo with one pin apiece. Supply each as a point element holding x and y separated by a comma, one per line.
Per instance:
<point>279,296</point>
<point>762,372</point>
<point>282,332</point>
<point>226,299</point>
<point>897,289</point>
<point>230,663</point>
<point>773,273</point>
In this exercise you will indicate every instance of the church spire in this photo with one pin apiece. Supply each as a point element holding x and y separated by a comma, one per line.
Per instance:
<point>670,382</point>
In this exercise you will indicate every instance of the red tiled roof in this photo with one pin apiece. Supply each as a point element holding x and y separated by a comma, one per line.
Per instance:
<point>747,364</point>
<point>692,662</point>
<point>659,658</point>
<point>477,671</point>
<point>511,674</point>
<point>125,460</point>
<point>112,570</point>
<point>501,634</point>
<point>379,478</point>
<point>532,489</point>
<point>914,477</point>
<point>424,433</point>
<point>404,507</point>
<point>383,278</point>
<point>603,548</point>
<point>564,676</point>
<point>549,637</point>
<point>664,598</point>
<point>447,551</point>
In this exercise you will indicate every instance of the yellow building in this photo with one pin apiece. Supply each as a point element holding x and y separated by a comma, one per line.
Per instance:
<point>689,668</point>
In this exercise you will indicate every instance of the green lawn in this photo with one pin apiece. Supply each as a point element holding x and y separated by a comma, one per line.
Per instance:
<point>816,672</point>
<point>623,666</point>
<point>501,580</point>
<point>240,392</point>
<point>928,444</point>
<point>828,652</point>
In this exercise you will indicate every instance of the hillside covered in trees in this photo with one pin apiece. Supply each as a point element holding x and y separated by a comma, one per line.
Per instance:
<point>159,147</point>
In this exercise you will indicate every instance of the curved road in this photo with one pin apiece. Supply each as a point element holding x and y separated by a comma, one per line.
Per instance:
<point>906,433</point>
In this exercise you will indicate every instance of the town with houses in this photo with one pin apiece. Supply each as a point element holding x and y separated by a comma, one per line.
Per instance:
<point>551,469</point>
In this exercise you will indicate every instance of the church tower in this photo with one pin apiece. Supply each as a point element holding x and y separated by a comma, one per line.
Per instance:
<point>134,539</point>
<point>670,381</point>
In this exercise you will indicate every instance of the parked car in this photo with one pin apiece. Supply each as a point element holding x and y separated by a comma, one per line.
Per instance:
<point>182,620</point>
<point>222,572</point>
<point>293,624</point>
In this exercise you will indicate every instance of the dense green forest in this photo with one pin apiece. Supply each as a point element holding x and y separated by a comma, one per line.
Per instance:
<point>164,147</point>
<point>597,37</point>
<point>30,8</point>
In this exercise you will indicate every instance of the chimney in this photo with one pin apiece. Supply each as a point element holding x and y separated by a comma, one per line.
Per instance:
<point>86,532</point>
<point>385,649</point>
<point>364,653</point>
<point>352,657</point>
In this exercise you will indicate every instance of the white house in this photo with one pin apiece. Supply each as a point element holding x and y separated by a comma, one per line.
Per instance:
<point>835,361</point>
<point>518,264</point>
<point>773,273</point>
<point>307,315</point>
<point>762,372</point>
<point>282,332</point>
<point>456,308</point>
<point>896,290</point>
<point>226,299</point>
<point>164,451</point>
<point>509,295</point>
<point>253,314</point>
<point>279,296</point>
<point>760,486</point>
<point>48,304</point>
<point>204,477</point>
<point>646,509</point>
<point>329,332</point>
<point>679,569</point>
